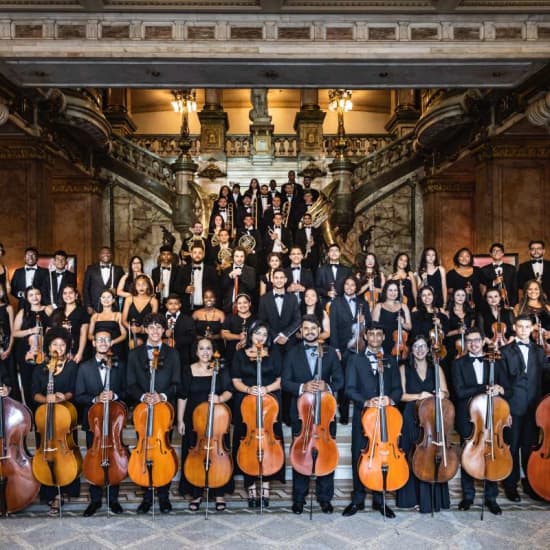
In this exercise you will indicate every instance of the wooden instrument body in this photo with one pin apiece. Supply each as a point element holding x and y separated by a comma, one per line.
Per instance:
<point>538,466</point>
<point>382,452</point>
<point>115,452</point>
<point>400,337</point>
<point>499,334</point>
<point>17,483</point>
<point>220,460</point>
<point>315,435</point>
<point>156,448</point>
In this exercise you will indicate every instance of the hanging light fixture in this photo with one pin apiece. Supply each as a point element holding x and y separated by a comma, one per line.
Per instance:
<point>184,101</point>
<point>340,101</point>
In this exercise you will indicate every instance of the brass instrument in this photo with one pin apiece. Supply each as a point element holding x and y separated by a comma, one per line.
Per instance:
<point>191,243</point>
<point>248,242</point>
<point>231,220</point>
<point>309,245</point>
<point>278,244</point>
<point>214,240</point>
<point>287,205</point>
<point>225,258</point>
<point>192,285</point>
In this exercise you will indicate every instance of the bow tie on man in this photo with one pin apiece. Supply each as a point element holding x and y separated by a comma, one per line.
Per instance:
<point>30,268</point>
<point>165,268</point>
<point>536,261</point>
<point>150,348</point>
<point>281,296</point>
<point>105,266</point>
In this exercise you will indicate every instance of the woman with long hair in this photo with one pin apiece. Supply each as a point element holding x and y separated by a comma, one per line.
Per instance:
<point>274,262</point>
<point>126,283</point>
<point>311,305</point>
<point>402,273</point>
<point>431,273</point>
<point>466,276</point>
<point>109,319</point>
<point>236,326</point>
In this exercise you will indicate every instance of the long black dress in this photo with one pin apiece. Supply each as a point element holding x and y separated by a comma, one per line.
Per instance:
<point>235,325</point>
<point>388,320</point>
<point>196,390</point>
<point>435,281</point>
<point>416,492</point>
<point>78,317</point>
<point>245,369</point>
<point>456,281</point>
<point>422,323</point>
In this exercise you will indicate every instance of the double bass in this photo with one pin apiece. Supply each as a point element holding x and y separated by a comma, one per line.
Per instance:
<point>382,465</point>
<point>18,487</point>
<point>260,452</point>
<point>209,463</point>
<point>106,462</point>
<point>314,451</point>
<point>153,462</point>
<point>538,466</point>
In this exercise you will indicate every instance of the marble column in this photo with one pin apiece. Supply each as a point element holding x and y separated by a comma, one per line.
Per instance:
<point>342,202</point>
<point>261,129</point>
<point>214,125</point>
<point>183,214</point>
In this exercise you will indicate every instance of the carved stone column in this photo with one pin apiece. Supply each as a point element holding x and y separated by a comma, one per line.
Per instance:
<point>261,129</point>
<point>308,125</point>
<point>342,214</point>
<point>214,125</point>
<point>117,109</point>
<point>183,215</point>
<point>406,112</point>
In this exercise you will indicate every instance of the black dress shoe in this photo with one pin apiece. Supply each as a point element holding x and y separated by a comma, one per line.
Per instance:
<point>384,510</point>
<point>493,507</point>
<point>165,506</point>
<point>512,495</point>
<point>143,508</point>
<point>352,509</point>
<point>297,507</point>
<point>326,507</point>
<point>465,504</point>
<point>93,507</point>
<point>528,490</point>
<point>116,508</point>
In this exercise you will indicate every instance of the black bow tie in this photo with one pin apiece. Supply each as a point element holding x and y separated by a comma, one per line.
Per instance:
<point>371,354</point>
<point>165,268</point>
<point>60,273</point>
<point>536,261</point>
<point>497,266</point>
<point>310,346</point>
<point>195,267</point>
<point>522,344</point>
<point>30,269</point>
<point>281,296</point>
<point>152,347</point>
<point>334,265</point>
<point>222,210</point>
<point>351,299</point>
<point>105,266</point>
<point>171,316</point>
<point>277,227</point>
<point>296,269</point>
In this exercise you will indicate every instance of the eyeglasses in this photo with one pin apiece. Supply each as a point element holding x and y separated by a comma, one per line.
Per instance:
<point>102,340</point>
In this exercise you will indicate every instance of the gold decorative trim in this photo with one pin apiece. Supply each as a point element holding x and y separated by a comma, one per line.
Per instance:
<point>511,151</point>
<point>440,186</point>
<point>24,152</point>
<point>74,188</point>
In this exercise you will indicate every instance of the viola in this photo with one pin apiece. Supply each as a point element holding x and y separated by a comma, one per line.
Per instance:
<point>499,332</point>
<point>313,451</point>
<point>437,336</point>
<point>260,451</point>
<point>469,289</point>
<point>460,344</point>
<point>382,465</point>
<point>209,463</point>
<point>153,462</point>
<point>538,466</point>
<point>485,454</point>
<point>106,462</point>
<point>435,459</point>
<point>372,294</point>
<point>400,336</point>
<point>18,487</point>
<point>57,462</point>
<point>36,343</point>
<point>540,338</point>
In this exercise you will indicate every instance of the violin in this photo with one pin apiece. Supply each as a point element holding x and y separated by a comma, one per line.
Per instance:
<point>436,337</point>
<point>435,459</point>
<point>539,336</point>
<point>460,344</point>
<point>153,462</point>
<point>400,336</point>
<point>485,454</point>
<point>538,466</point>
<point>469,289</point>
<point>382,465</point>
<point>18,487</point>
<point>499,332</point>
<point>106,462</point>
<point>209,463</point>
<point>57,462</point>
<point>329,302</point>
<point>171,341</point>
<point>36,342</point>
<point>357,342</point>
<point>371,295</point>
<point>502,291</point>
<point>260,451</point>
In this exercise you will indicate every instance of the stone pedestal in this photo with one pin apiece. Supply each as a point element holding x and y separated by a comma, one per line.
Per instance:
<point>214,126</point>
<point>308,125</point>
<point>343,208</point>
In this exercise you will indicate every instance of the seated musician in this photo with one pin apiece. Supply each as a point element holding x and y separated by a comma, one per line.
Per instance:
<point>168,378</point>
<point>362,387</point>
<point>298,377</point>
<point>90,389</point>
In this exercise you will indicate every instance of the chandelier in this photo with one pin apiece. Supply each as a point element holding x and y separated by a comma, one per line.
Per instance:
<point>184,101</point>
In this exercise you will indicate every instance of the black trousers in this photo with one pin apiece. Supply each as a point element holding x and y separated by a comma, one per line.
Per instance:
<point>96,492</point>
<point>469,491</point>
<point>324,487</point>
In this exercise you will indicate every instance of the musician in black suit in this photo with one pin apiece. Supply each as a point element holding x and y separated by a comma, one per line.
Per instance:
<point>30,275</point>
<point>194,278</point>
<point>236,279</point>
<point>90,389</point>
<point>293,207</point>
<point>536,268</point>
<point>243,209</point>
<point>165,275</point>
<point>196,238</point>
<point>299,278</point>
<point>330,277</point>
<point>363,388</point>
<point>58,279</point>
<point>308,189</point>
<point>180,329</point>
<point>167,381</point>
<point>222,207</point>
<point>277,238</point>
<point>470,375</point>
<point>499,274</point>
<point>524,363</point>
<point>100,276</point>
<point>269,214</point>
<point>299,371</point>
<point>346,311</point>
<point>310,240</point>
<point>254,255</point>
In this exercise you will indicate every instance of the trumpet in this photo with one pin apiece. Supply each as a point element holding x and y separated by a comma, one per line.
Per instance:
<point>278,245</point>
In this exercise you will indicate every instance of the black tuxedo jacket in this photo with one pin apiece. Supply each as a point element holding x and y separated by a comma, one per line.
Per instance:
<point>55,293</point>
<point>305,278</point>
<point>94,285</point>
<point>286,238</point>
<point>167,377</point>
<point>342,320</point>
<point>89,385</point>
<point>525,273</point>
<point>325,277</point>
<point>156,276</point>
<point>185,338</point>
<point>257,237</point>
<point>40,281</point>
<point>267,218</point>
<point>524,388</point>
<point>290,313</point>
<point>488,275</point>
<point>247,284</point>
<point>210,281</point>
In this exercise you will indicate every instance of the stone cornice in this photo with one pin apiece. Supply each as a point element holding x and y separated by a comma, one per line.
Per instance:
<point>75,188</point>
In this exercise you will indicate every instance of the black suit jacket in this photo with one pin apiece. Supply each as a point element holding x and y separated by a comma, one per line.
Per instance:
<point>286,238</point>
<point>305,278</point>
<point>185,338</point>
<point>210,281</point>
<point>167,377</point>
<point>290,313</point>
<point>156,276</point>
<point>247,285</point>
<point>55,293</point>
<point>300,239</point>
<point>18,284</point>
<point>94,285</point>
<point>488,275</point>
<point>325,277</point>
<point>89,385</point>
<point>526,273</point>
<point>342,320</point>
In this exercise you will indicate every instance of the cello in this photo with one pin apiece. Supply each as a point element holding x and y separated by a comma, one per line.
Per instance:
<point>485,455</point>
<point>57,462</point>
<point>18,487</point>
<point>209,464</point>
<point>382,465</point>
<point>435,460</point>
<point>538,466</point>
<point>153,462</point>
<point>260,452</point>
<point>106,462</point>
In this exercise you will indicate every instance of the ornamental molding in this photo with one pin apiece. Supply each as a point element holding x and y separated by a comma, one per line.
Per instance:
<point>511,151</point>
<point>77,188</point>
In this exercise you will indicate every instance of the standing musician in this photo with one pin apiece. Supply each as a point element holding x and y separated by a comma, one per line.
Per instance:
<point>466,276</point>
<point>536,268</point>
<point>278,238</point>
<point>427,313</point>
<point>243,373</point>
<point>494,320</point>
<point>59,278</point>
<point>236,326</point>
<point>165,275</point>
<point>431,273</point>
<point>500,275</point>
<point>220,254</point>
<point>299,277</point>
<point>167,380</point>
<point>237,278</point>
<point>403,274</point>
<point>249,238</point>
<point>180,331</point>
<point>90,384</point>
<point>126,283</point>
<point>269,213</point>
<point>195,389</point>
<point>195,239</point>
<point>308,189</point>
<point>6,336</point>
<point>372,279</point>
<point>329,278</point>
<point>470,375</point>
<point>29,275</point>
<point>362,387</point>
<point>299,372</point>
<point>310,240</point>
<point>524,363</point>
